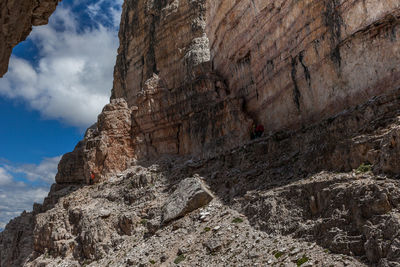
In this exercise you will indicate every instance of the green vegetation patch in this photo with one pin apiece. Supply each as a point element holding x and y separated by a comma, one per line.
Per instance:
<point>207,229</point>
<point>363,168</point>
<point>302,260</point>
<point>179,259</point>
<point>278,254</point>
<point>237,220</point>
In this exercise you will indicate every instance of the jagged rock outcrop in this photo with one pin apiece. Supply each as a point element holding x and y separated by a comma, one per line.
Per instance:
<point>106,148</point>
<point>199,119</point>
<point>16,21</point>
<point>16,241</point>
<point>164,68</point>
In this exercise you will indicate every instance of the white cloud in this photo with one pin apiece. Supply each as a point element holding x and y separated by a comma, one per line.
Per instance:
<point>5,177</point>
<point>116,12</point>
<point>96,11</point>
<point>44,172</point>
<point>17,195</point>
<point>72,79</point>
<point>16,198</point>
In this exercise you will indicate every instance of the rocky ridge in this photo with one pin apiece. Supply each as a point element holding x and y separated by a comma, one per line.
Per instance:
<point>276,200</point>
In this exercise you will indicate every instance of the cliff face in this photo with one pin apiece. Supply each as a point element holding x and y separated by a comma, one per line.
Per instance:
<point>16,21</point>
<point>284,64</point>
<point>296,62</point>
<point>164,68</point>
<point>177,179</point>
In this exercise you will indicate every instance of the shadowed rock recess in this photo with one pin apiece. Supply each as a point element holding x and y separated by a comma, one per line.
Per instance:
<point>178,180</point>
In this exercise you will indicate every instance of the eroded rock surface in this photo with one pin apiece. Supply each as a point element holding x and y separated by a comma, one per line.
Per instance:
<point>190,195</point>
<point>16,21</point>
<point>106,148</point>
<point>277,200</point>
<point>299,61</point>
<point>320,188</point>
<point>284,64</point>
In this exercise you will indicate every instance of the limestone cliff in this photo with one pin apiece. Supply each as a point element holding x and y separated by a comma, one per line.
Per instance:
<point>289,63</point>
<point>177,180</point>
<point>16,21</point>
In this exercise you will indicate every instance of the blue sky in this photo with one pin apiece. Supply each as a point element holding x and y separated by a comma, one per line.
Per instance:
<point>58,81</point>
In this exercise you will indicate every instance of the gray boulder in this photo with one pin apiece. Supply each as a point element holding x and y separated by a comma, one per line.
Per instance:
<point>190,195</point>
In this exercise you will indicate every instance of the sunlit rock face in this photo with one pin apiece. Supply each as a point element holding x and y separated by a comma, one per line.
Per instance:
<point>296,62</point>
<point>16,21</point>
<point>288,63</point>
<point>164,70</point>
<point>105,150</point>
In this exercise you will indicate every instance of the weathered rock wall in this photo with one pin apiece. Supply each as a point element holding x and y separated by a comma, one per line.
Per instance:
<point>16,21</point>
<point>296,62</point>
<point>164,70</point>
<point>289,62</point>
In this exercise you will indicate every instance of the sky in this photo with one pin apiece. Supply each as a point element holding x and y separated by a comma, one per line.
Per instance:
<point>58,81</point>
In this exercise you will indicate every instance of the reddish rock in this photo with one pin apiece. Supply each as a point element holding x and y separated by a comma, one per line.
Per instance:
<point>106,148</point>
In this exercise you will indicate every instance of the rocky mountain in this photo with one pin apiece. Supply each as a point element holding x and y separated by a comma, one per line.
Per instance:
<point>16,21</point>
<point>178,180</point>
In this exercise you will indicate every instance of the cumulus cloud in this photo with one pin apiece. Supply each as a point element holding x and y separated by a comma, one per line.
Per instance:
<point>23,185</point>
<point>43,172</point>
<point>72,79</point>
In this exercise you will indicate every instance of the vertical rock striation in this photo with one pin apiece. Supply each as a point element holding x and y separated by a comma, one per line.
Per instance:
<point>16,21</point>
<point>164,69</point>
<point>296,62</point>
<point>284,64</point>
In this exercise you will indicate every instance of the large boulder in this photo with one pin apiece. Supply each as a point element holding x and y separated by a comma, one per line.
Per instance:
<point>190,195</point>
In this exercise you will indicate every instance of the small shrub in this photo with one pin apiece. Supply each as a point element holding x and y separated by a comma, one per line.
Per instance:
<point>179,259</point>
<point>278,254</point>
<point>363,168</point>
<point>302,260</point>
<point>152,262</point>
<point>207,229</point>
<point>237,220</point>
<point>143,222</point>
